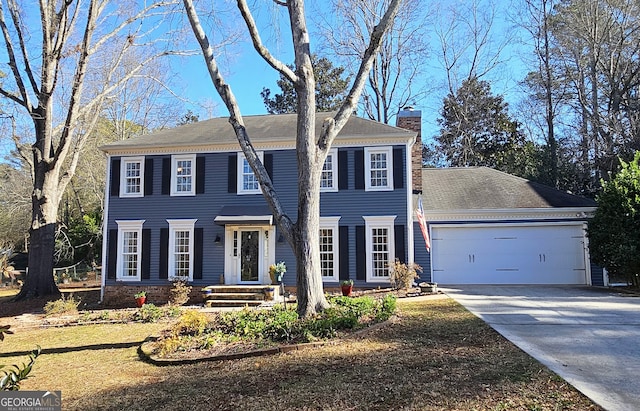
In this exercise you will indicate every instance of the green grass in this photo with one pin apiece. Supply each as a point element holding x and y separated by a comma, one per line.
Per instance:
<point>435,356</point>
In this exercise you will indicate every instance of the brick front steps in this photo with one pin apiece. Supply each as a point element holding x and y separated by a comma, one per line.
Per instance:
<point>238,295</point>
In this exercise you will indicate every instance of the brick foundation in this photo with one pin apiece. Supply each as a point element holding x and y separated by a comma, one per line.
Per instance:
<point>122,295</point>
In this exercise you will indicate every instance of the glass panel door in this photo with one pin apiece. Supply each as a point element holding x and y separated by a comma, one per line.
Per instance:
<point>249,255</point>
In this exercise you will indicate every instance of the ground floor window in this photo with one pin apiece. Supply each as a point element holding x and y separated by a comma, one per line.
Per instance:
<point>329,248</point>
<point>181,249</point>
<point>128,266</point>
<point>380,246</point>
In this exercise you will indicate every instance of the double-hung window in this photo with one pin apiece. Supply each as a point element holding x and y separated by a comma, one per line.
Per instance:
<point>380,246</point>
<point>247,181</point>
<point>329,177</point>
<point>181,234</point>
<point>129,257</point>
<point>183,175</point>
<point>329,248</point>
<point>378,165</point>
<point>132,177</point>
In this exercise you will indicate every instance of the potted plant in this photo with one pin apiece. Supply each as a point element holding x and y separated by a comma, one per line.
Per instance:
<point>268,293</point>
<point>346,286</point>
<point>428,287</point>
<point>141,298</point>
<point>276,272</point>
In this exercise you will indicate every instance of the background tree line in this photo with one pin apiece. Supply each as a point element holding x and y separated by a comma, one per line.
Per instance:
<point>576,114</point>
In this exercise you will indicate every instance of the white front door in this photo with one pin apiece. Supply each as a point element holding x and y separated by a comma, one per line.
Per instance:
<point>248,254</point>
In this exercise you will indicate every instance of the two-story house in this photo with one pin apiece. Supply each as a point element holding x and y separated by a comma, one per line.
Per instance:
<point>184,203</point>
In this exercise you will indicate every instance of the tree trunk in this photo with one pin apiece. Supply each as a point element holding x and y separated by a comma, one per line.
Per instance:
<point>39,281</point>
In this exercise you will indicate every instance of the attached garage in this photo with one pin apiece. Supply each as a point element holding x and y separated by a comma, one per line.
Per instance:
<point>490,227</point>
<point>509,254</point>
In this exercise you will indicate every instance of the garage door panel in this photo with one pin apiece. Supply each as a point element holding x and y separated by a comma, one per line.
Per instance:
<point>545,254</point>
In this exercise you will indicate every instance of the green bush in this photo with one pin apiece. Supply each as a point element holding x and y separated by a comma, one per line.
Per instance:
<point>148,313</point>
<point>386,309</point>
<point>64,305</point>
<point>11,376</point>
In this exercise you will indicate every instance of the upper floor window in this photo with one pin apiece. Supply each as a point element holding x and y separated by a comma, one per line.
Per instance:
<point>129,255</point>
<point>132,177</point>
<point>329,178</point>
<point>380,247</point>
<point>183,175</point>
<point>181,246</point>
<point>378,168</point>
<point>247,181</point>
<point>329,248</point>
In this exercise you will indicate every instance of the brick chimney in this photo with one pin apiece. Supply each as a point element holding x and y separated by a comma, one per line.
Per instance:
<point>411,119</point>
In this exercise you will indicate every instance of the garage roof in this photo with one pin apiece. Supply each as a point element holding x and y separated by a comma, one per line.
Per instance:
<point>472,188</point>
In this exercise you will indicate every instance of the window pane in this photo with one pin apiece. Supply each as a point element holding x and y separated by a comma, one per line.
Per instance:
<point>326,181</point>
<point>326,252</point>
<point>183,176</point>
<point>132,177</point>
<point>181,254</point>
<point>380,251</point>
<point>130,253</point>
<point>249,180</point>
<point>379,171</point>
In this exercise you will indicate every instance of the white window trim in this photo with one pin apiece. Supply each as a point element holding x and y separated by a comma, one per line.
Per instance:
<point>180,225</point>
<point>128,226</point>
<point>239,169</point>
<point>174,176</point>
<point>372,222</point>
<point>332,223</point>
<point>333,153</point>
<point>388,150</point>
<point>123,176</point>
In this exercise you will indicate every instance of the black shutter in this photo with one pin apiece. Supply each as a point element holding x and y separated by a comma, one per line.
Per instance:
<point>200,167</point>
<point>358,160</point>
<point>115,177</point>
<point>398,174</point>
<point>398,234</point>
<point>232,173</point>
<point>148,176</point>
<point>343,252</point>
<point>113,254</point>
<point>166,176</point>
<point>361,254</point>
<point>268,165</point>
<point>164,253</point>
<point>343,170</point>
<point>146,254</point>
<point>197,253</point>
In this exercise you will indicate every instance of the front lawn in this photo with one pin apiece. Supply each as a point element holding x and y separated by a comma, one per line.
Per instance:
<point>435,356</point>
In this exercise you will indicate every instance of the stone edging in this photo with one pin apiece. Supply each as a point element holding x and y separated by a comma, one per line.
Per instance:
<point>144,351</point>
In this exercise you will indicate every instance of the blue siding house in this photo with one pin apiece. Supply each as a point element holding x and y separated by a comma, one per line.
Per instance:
<point>183,203</point>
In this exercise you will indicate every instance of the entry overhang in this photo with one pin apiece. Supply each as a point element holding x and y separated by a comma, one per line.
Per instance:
<point>244,215</point>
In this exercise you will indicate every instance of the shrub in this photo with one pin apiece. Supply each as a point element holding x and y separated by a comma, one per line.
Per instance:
<point>191,322</point>
<point>64,305</point>
<point>402,275</point>
<point>386,309</point>
<point>179,292</point>
<point>148,313</point>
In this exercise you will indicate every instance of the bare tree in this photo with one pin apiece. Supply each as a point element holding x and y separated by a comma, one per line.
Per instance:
<point>311,150</point>
<point>469,45</point>
<point>396,76</point>
<point>50,67</point>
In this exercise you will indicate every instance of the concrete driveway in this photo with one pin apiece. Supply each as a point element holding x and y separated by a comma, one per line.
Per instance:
<point>588,336</point>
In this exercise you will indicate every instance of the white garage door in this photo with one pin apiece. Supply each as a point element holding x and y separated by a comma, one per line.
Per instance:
<point>541,254</point>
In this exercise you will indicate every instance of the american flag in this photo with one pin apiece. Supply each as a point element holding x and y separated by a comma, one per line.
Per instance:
<point>423,224</point>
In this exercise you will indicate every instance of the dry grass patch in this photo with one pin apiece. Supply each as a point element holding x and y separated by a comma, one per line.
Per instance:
<point>436,356</point>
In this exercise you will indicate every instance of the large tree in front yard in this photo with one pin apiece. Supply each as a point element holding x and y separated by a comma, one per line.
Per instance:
<point>60,72</point>
<point>311,149</point>
<point>614,231</point>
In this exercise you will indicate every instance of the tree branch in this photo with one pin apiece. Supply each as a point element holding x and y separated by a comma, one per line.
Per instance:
<point>236,121</point>
<point>260,48</point>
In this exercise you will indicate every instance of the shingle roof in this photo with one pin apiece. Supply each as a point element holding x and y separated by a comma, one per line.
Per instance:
<point>278,128</point>
<point>484,188</point>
